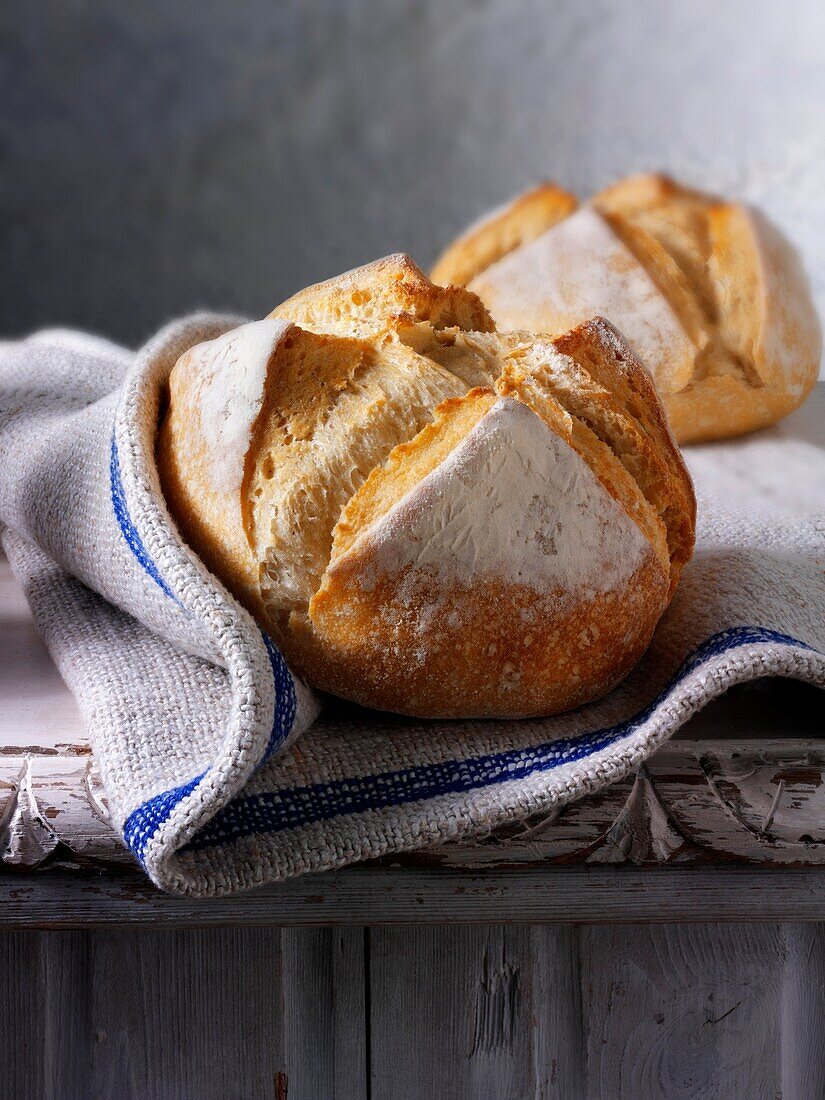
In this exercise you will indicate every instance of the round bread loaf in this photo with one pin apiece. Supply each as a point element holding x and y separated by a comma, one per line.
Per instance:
<point>428,516</point>
<point>708,293</point>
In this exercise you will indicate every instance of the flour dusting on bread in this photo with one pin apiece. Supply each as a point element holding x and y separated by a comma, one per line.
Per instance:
<point>232,373</point>
<point>512,503</point>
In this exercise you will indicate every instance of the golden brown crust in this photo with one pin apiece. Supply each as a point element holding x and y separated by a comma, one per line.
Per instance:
<point>310,455</point>
<point>199,518</point>
<point>752,341</point>
<point>666,273</point>
<point>525,218</point>
<point>760,357</point>
<point>695,414</point>
<point>210,521</point>
<point>481,656</point>
<point>765,313</point>
<point>372,297</point>
<point>216,517</point>
<point>644,191</point>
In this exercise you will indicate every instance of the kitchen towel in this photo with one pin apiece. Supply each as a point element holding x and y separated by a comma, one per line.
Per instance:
<point>220,769</point>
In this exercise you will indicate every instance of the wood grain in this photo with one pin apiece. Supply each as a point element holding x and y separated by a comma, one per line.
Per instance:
<point>684,1012</point>
<point>179,1015</point>
<point>45,1007</point>
<point>207,1013</point>
<point>22,998</point>
<point>67,981</point>
<point>700,1012</point>
<point>558,1022</point>
<point>450,1013</point>
<point>468,1012</point>
<point>694,1011</point>
<point>325,999</point>
<point>802,1011</point>
<point>414,896</point>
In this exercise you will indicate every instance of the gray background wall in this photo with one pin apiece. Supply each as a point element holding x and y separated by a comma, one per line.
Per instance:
<point>157,156</point>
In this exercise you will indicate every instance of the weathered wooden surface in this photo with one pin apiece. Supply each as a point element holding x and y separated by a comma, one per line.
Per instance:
<point>694,802</point>
<point>402,895</point>
<point>223,1014</point>
<point>688,1013</point>
<point>668,1012</point>
<point>325,999</point>
<point>803,1009</point>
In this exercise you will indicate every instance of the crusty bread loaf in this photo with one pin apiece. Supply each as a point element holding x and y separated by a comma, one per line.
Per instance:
<point>708,294</point>
<point>428,517</point>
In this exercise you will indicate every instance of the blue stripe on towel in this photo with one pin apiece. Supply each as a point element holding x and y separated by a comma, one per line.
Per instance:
<point>274,811</point>
<point>286,700</point>
<point>127,526</point>
<point>142,824</point>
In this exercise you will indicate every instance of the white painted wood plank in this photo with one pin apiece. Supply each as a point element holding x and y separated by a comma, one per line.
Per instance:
<point>758,801</point>
<point>53,808</point>
<point>687,1012</point>
<point>803,1012</point>
<point>180,1015</point>
<point>325,1004</point>
<point>557,1020</point>
<point>416,896</point>
<point>450,1013</point>
<point>694,801</point>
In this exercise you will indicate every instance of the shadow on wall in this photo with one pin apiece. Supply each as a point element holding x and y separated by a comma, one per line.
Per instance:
<point>158,157</point>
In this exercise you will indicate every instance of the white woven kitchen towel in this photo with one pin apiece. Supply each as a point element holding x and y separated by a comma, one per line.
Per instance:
<point>194,717</point>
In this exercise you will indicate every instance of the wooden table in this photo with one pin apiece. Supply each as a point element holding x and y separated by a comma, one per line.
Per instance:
<point>656,939</point>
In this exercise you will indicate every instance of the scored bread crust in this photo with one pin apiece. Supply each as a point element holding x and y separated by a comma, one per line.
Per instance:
<point>222,397</point>
<point>514,651</point>
<point>492,528</point>
<point>644,429</point>
<point>374,297</point>
<point>708,293</point>
<point>499,232</point>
